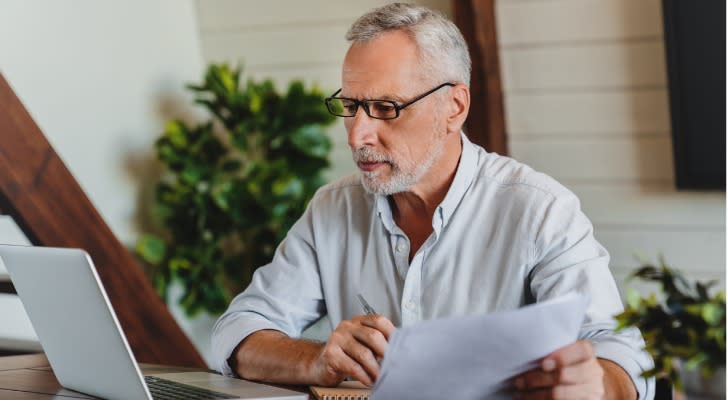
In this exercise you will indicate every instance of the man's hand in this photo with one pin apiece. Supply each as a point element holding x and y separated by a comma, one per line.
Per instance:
<point>354,349</point>
<point>572,372</point>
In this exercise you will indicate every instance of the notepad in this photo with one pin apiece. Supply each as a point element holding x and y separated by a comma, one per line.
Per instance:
<point>347,390</point>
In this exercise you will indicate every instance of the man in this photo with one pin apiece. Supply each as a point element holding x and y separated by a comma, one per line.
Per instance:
<point>433,226</point>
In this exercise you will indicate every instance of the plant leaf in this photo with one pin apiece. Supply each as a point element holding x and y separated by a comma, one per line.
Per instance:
<point>151,248</point>
<point>311,140</point>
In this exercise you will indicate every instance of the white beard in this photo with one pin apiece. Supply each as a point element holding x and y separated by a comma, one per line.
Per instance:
<point>403,176</point>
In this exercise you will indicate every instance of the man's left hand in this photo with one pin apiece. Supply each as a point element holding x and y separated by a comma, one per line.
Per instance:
<point>572,372</point>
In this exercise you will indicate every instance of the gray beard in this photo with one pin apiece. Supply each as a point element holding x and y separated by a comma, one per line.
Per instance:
<point>403,178</point>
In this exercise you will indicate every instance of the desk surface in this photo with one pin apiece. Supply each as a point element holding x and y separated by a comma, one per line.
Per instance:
<point>30,377</point>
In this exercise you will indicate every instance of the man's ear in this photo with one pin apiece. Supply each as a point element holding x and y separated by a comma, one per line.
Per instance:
<point>458,106</point>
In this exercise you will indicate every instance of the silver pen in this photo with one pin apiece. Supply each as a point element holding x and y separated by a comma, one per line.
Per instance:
<point>368,310</point>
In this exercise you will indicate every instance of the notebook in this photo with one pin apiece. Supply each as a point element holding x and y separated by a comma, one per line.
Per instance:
<point>347,390</point>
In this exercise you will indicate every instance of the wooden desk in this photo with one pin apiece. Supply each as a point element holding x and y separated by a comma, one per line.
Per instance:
<point>29,377</point>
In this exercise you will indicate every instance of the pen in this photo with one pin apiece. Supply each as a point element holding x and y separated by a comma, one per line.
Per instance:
<point>367,308</point>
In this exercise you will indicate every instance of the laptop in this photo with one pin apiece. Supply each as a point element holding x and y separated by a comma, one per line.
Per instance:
<point>84,342</point>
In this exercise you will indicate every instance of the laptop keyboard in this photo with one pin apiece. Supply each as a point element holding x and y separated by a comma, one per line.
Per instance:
<point>163,389</point>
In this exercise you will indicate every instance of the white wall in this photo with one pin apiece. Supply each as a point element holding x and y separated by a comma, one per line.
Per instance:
<point>100,78</point>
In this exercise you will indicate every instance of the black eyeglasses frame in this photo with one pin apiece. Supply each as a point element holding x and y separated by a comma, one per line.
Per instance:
<point>365,103</point>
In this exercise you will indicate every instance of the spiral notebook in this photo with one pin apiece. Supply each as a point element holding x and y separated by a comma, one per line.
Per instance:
<point>347,390</point>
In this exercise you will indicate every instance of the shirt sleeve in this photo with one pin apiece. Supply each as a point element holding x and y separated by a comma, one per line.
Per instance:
<point>284,295</point>
<point>567,258</point>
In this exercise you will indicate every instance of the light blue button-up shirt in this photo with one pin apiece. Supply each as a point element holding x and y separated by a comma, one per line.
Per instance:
<point>504,236</point>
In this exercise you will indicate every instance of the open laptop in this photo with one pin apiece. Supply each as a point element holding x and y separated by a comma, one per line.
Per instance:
<point>83,340</point>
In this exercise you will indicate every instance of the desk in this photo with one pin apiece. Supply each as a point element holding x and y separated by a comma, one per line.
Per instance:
<point>30,377</point>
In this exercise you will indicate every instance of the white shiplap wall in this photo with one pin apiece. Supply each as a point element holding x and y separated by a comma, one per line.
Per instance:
<point>586,102</point>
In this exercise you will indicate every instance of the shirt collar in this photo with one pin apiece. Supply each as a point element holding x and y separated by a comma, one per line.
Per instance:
<point>463,178</point>
<point>460,184</point>
<point>385,213</point>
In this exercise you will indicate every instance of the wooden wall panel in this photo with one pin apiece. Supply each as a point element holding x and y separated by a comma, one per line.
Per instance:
<point>639,206</point>
<point>320,45</point>
<point>236,15</point>
<point>595,159</point>
<point>589,114</point>
<point>44,199</point>
<point>486,122</point>
<point>651,242</point>
<point>595,66</point>
<point>541,22</point>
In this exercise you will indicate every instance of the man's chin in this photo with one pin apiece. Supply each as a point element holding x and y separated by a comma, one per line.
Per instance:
<point>372,185</point>
<point>375,186</point>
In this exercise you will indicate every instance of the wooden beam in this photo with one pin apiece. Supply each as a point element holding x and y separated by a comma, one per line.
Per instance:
<point>486,122</point>
<point>47,203</point>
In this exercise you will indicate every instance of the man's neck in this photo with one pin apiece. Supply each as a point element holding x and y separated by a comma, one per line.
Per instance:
<point>422,199</point>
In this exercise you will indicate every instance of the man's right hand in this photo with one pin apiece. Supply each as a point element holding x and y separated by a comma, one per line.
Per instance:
<point>354,349</point>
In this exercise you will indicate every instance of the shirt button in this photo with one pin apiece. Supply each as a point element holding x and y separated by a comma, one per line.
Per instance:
<point>401,247</point>
<point>410,305</point>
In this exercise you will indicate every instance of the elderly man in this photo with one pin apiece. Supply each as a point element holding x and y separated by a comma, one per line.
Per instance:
<point>432,226</point>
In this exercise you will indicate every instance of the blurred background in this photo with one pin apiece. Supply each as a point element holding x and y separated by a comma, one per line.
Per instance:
<point>585,95</point>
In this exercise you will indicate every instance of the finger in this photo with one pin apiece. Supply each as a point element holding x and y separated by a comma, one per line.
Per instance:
<point>534,379</point>
<point>371,338</point>
<point>536,394</point>
<point>342,350</point>
<point>363,356</point>
<point>580,381</point>
<point>589,371</point>
<point>574,353</point>
<point>337,366</point>
<point>555,393</point>
<point>380,323</point>
<point>572,392</point>
<point>347,366</point>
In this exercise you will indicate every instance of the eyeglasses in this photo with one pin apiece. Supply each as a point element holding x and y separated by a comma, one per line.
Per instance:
<point>379,109</point>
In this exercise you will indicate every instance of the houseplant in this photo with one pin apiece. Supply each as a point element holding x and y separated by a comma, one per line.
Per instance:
<point>683,326</point>
<point>233,185</point>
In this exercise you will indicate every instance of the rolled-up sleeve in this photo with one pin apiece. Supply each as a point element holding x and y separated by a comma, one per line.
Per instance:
<point>284,295</point>
<point>567,258</point>
<point>624,350</point>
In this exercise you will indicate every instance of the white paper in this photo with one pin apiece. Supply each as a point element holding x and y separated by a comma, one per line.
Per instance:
<point>475,357</point>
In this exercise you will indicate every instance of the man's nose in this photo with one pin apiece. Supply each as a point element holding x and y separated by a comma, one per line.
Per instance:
<point>361,129</point>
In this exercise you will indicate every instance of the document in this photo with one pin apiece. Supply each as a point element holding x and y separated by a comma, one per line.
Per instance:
<point>475,357</point>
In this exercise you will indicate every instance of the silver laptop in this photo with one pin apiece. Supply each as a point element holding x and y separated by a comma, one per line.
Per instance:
<point>83,340</point>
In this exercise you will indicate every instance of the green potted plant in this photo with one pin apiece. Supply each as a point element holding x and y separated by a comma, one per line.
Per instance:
<point>233,185</point>
<point>683,326</point>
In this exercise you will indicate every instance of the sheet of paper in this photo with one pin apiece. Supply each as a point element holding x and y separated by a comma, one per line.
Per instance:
<point>474,357</point>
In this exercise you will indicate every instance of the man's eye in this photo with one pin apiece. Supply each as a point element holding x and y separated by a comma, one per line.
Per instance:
<point>349,106</point>
<point>382,108</point>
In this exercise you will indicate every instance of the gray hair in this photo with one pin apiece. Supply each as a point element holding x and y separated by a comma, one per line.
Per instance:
<point>441,45</point>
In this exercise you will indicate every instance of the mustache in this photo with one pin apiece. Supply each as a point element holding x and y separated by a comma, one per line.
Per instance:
<point>369,155</point>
